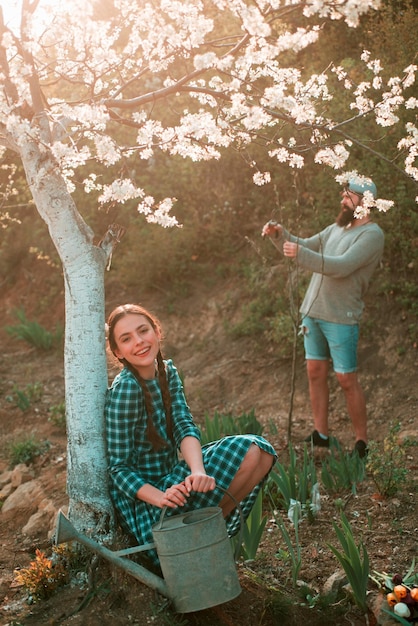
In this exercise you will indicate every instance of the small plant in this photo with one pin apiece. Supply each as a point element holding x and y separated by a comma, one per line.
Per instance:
<point>387,466</point>
<point>24,398</point>
<point>253,529</point>
<point>57,415</point>
<point>342,471</point>
<point>19,399</point>
<point>224,425</point>
<point>42,577</point>
<point>293,552</point>
<point>296,484</point>
<point>354,560</point>
<point>26,450</point>
<point>314,599</point>
<point>33,333</point>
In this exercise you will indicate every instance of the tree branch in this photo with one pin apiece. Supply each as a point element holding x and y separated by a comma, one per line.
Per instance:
<point>110,240</point>
<point>133,103</point>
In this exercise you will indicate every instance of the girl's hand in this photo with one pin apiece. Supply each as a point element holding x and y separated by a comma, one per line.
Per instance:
<point>175,496</point>
<point>199,481</point>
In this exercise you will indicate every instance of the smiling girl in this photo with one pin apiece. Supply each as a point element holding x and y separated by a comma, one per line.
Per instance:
<point>154,451</point>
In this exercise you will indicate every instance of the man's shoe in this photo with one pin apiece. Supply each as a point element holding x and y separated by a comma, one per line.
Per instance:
<point>361,448</point>
<point>315,439</point>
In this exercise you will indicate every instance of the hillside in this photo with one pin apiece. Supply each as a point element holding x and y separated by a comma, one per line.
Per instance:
<point>230,376</point>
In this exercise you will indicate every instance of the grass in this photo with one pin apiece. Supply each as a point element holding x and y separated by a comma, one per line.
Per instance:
<point>386,462</point>
<point>33,333</point>
<point>26,450</point>
<point>342,471</point>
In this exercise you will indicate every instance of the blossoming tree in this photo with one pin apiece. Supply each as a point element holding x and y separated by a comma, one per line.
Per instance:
<point>190,78</point>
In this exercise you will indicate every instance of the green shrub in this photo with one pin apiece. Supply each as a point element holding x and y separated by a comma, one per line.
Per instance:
<point>224,425</point>
<point>33,333</point>
<point>342,470</point>
<point>57,415</point>
<point>386,462</point>
<point>24,398</point>
<point>26,450</point>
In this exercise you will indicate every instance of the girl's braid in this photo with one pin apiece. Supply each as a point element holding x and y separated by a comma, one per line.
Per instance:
<point>152,435</point>
<point>165,392</point>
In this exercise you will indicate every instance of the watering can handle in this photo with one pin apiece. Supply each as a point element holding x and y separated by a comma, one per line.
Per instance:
<point>241,518</point>
<point>241,515</point>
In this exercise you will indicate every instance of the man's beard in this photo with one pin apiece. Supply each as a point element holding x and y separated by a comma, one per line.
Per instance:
<point>345,217</point>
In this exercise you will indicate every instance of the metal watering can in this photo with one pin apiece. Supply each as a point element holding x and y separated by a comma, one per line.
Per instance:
<point>195,555</point>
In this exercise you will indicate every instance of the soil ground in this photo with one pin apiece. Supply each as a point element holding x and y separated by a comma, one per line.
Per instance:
<point>229,376</point>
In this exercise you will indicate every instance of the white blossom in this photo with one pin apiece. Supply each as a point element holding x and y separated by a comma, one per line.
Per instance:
<point>362,104</point>
<point>375,66</point>
<point>410,144</point>
<point>377,82</point>
<point>411,103</point>
<point>361,211</point>
<point>237,93</point>
<point>281,154</point>
<point>160,214</point>
<point>205,61</point>
<point>296,160</point>
<point>90,183</point>
<point>107,150</point>
<point>362,88</point>
<point>339,71</point>
<point>69,156</point>
<point>120,190</point>
<point>368,200</point>
<point>410,75</point>
<point>256,118</point>
<point>334,156</point>
<point>384,205</point>
<point>261,178</point>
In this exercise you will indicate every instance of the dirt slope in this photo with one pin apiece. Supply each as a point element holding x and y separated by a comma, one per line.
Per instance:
<point>231,376</point>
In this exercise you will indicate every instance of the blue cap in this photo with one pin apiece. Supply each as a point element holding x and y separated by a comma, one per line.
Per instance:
<point>360,185</point>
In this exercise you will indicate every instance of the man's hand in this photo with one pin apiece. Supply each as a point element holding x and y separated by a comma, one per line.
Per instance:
<point>271,229</point>
<point>290,249</point>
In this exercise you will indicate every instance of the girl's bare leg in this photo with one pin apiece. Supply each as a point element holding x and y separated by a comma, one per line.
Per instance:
<point>255,466</point>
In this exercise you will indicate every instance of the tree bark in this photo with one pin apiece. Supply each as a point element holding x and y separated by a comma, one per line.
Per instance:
<point>84,352</point>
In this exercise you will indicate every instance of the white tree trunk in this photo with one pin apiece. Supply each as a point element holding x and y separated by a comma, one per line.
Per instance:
<point>84,355</point>
<point>86,381</point>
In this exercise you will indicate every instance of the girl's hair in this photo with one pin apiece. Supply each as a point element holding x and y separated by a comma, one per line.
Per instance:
<point>135,309</point>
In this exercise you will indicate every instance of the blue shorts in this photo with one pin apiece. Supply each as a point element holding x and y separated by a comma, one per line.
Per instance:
<point>328,340</point>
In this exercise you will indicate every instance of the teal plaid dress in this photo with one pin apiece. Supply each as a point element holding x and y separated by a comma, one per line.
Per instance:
<point>133,462</point>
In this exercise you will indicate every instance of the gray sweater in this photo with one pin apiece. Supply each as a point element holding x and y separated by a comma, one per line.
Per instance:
<point>342,261</point>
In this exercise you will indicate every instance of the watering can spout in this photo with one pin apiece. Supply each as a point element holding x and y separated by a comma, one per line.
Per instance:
<point>65,531</point>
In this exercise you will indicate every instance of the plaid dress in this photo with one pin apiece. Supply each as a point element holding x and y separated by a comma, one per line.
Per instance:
<point>133,462</point>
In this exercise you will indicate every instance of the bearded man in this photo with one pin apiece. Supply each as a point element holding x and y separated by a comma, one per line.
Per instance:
<point>342,258</point>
